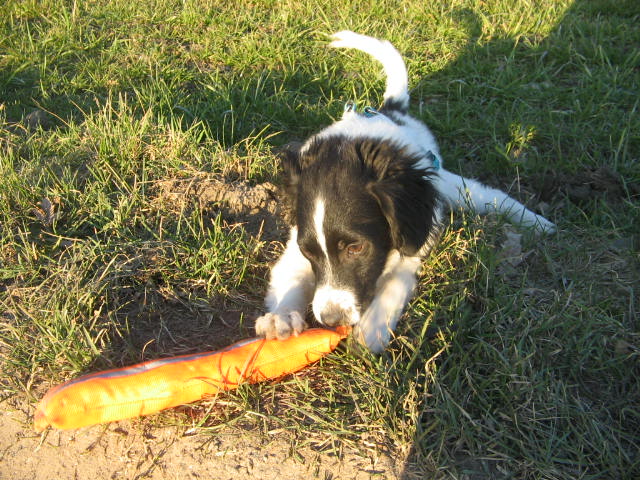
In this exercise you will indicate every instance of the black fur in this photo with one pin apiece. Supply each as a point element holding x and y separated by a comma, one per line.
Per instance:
<point>374,194</point>
<point>404,193</point>
<point>390,106</point>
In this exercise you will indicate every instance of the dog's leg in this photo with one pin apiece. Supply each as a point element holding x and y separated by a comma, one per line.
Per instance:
<point>290,292</point>
<point>394,289</point>
<point>471,194</point>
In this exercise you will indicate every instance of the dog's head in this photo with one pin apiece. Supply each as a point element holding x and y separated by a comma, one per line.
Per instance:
<point>354,201</point>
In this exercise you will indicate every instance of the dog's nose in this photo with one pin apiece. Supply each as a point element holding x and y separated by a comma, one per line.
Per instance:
<point>333,316</point>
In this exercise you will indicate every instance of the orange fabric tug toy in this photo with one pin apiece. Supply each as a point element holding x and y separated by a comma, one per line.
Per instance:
<point>159,384</point>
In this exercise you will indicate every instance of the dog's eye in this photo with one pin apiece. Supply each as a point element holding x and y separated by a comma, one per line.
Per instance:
<point>355,248</point>
<point>351,249</point>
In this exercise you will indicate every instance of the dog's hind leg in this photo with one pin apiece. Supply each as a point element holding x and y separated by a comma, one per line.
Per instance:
<point>470,194</point>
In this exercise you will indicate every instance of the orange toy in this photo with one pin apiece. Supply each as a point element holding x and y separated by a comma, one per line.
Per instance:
<point>158,384</point>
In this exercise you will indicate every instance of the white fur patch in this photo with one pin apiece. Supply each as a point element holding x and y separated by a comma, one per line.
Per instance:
<point>318,223</point>
<point>328,298</point>
<point>394,288</point>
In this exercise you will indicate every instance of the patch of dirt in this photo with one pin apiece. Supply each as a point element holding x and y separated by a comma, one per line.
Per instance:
<point>255,206</point>
<point>137,450</point>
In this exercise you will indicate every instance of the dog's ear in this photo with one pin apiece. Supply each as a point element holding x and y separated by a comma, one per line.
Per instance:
<point>289,156</point>
<point>406,196</point>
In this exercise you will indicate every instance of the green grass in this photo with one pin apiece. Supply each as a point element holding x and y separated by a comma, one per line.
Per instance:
<point>498,371</point>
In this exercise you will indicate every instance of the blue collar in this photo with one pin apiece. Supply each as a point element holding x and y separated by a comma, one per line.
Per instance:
<point>435,161</point>
<point>368,112</point>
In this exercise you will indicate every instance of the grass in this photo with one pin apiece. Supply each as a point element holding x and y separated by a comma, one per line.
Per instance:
<point>525,369</point>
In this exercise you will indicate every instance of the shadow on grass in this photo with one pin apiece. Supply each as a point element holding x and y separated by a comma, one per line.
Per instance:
<point>539,75</point>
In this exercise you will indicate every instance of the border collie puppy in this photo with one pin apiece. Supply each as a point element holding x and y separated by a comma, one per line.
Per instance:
<point>368,196</point>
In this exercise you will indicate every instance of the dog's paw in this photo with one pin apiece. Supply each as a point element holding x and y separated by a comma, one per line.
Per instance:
<point>373,330</point>
<point>280,325</point>
<point>375,340</point>
<point>539,224</point>
<point>543,225</point>
<point>524,217</point>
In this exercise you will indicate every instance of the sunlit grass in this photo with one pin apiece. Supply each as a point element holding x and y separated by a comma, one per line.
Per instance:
<point>499,370</point>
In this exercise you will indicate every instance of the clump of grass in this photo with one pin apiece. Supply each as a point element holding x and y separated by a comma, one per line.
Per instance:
<point>74,266</point>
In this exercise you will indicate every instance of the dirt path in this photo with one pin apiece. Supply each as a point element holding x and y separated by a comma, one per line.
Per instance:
<point>136,450</point>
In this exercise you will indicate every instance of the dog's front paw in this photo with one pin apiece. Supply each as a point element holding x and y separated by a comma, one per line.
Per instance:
<point>373,329</point>
<point>280,325</point>
<point>375,340</point>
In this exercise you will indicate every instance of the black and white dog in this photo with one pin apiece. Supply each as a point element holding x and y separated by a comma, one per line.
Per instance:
<point>368,196</point>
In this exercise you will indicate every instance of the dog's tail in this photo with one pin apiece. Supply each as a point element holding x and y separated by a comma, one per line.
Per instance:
<point>396,95</point>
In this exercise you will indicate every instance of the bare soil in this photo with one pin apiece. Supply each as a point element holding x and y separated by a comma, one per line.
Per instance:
<point>254,206</point>
<point>137,449</point>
